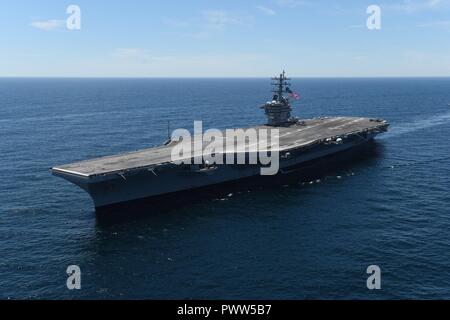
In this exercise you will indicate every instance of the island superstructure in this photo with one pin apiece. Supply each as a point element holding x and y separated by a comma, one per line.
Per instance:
<point>151,174</point>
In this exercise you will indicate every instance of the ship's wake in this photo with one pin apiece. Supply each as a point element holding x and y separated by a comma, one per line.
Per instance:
<point>417,125</point>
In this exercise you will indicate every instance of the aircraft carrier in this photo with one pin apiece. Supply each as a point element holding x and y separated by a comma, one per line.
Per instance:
<point>151,175</point>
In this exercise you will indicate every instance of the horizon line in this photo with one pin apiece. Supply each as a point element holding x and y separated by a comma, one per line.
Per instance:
<point>221,77</point>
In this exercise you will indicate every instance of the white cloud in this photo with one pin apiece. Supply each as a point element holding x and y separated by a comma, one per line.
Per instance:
<point>266,10</point>
<point>207,23</point>
<point>413,6</point>
<point>217,19</point>
<point>433,3</point>
<point>48,25</point>
<point>290,3</point>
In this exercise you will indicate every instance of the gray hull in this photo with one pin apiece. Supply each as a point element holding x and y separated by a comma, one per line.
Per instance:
<point>172,179</point>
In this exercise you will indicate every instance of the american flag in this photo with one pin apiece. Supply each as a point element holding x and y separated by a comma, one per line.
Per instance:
<point>293,94</point>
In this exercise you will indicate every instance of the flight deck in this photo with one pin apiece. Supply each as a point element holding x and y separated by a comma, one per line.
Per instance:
<point>300,134</point>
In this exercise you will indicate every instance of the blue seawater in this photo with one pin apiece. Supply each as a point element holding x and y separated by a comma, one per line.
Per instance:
<point>303,242</point>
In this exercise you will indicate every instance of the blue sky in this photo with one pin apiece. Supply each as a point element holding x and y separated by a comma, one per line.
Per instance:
<point>224,38</point>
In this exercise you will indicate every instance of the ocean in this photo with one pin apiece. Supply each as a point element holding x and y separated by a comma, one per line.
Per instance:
<point>301,241</point>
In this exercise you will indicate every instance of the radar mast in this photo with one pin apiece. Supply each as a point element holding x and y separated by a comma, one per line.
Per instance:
<point>280,84</point>
<point>278,110</point>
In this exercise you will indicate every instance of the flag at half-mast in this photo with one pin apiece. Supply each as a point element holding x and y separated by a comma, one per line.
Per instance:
<point>293,94</point>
